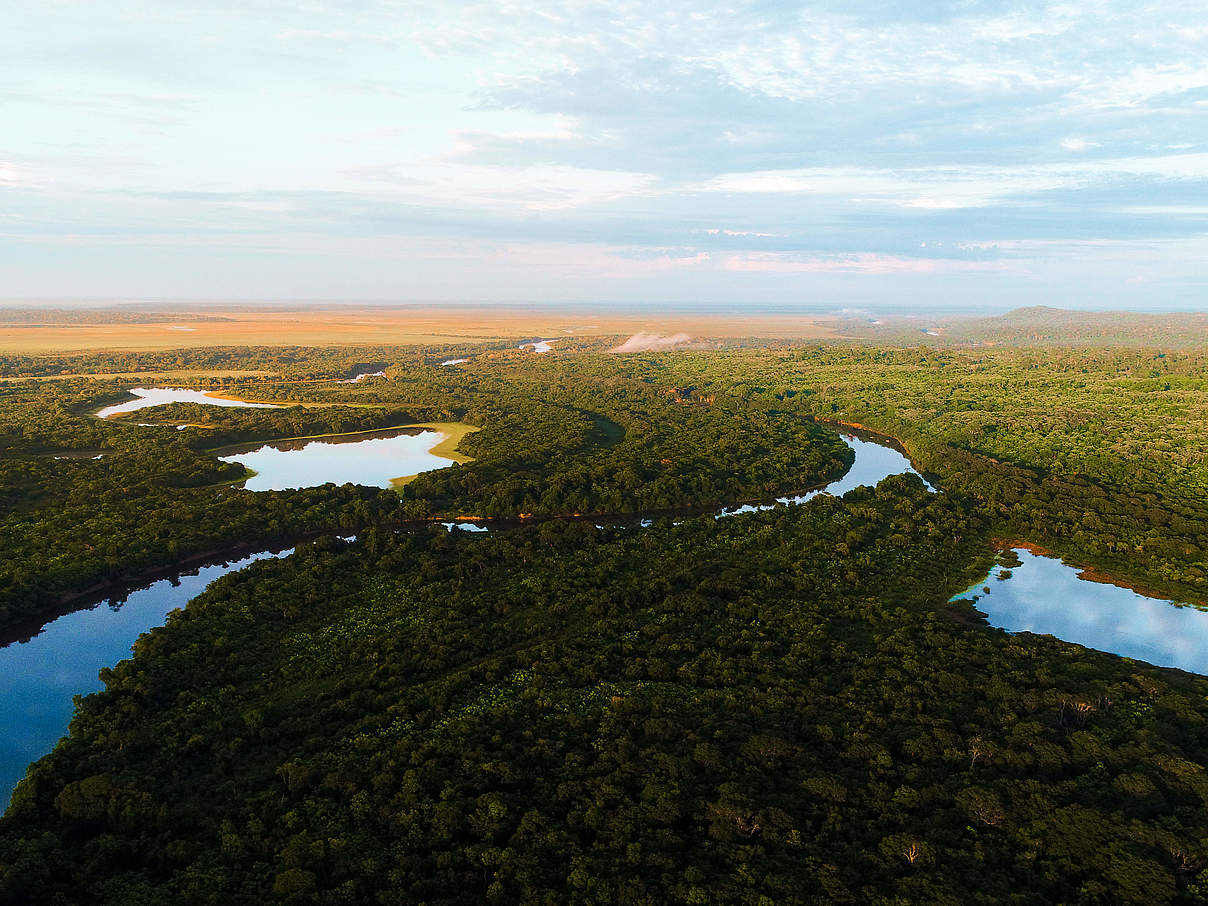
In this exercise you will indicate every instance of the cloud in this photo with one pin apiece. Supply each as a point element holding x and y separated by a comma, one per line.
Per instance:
<point>946,186</point>
<point>652,342</point>
<point>860,263</point>
<point>1078,144</point>
<point>697,147</point>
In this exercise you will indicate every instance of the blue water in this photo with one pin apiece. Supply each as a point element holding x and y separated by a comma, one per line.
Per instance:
<point>39,678</point>
<point>374,462</point>
<point>159,396</point>
<point>874,462</point>
<point>1046,596</point>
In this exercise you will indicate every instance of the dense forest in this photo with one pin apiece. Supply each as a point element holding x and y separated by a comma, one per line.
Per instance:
<point>772,709</point>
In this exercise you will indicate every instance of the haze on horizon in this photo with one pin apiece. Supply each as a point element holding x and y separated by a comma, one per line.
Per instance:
<point>863,153</point>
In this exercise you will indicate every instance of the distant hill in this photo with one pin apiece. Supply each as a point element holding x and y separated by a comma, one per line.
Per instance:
<point>1036,324</point>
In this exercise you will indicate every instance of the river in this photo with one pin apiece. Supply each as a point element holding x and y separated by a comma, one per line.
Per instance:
<point>40,677</point>
<point>1044,595</point>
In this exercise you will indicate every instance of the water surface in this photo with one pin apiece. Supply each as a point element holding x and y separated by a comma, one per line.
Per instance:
<point>1046,596</point>
<point>874,462</point>
<point>159,396</point>
<point>362,376</point>
<point>38,678</point>
<point>373,461</point>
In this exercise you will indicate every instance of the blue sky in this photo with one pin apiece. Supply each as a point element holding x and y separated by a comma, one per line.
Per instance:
<point>858,153</point>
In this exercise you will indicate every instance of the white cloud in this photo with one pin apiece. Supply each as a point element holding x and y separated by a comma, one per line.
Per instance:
<point>717,231</point>
<point>949,187</point>
<point>535,188</point>
<point>598,138</point>
<point>859,263</point>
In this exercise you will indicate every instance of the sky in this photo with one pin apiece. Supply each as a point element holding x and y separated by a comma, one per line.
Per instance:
<point>864,153</point>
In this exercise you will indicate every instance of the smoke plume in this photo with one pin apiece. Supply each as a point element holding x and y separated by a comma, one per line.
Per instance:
<point>649,342</point>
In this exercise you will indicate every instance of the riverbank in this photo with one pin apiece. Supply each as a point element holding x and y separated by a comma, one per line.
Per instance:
<point>1091,573</point>
<point>127,582</point>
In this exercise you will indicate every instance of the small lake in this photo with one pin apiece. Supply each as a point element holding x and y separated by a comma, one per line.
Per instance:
<point>38,678</point>
<point>1044,595</point>
<point>371,461</point>
<point>538,346</point>
<point>160,396</point>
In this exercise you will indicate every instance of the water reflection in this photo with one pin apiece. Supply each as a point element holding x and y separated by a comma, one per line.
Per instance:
<point>159,396</point>
<point>38,678</point>
<point>1045,596</point>
<point>874,462</point>
<point>373,461</point>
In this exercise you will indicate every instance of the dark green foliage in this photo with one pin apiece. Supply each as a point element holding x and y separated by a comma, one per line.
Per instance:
<point>724,711</point>
<point>157,496</point>
<point>777,708</point>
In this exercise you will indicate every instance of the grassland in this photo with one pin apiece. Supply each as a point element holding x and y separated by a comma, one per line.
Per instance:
<point>407,326</point>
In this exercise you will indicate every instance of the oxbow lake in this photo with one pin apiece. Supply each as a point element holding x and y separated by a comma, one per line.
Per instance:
<point>372,461</point>
<point>160,396</point>
<point>1044,595</point>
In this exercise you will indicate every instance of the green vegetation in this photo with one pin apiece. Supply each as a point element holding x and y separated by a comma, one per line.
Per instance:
<point>738,711</point>
<point>777,708</point>
<point>157,496</point>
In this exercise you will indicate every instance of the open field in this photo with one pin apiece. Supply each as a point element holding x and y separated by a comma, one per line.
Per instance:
<point>410,325</point>
<point>182,374</point>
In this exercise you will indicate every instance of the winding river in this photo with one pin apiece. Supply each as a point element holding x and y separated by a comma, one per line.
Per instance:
<point>40,676</point>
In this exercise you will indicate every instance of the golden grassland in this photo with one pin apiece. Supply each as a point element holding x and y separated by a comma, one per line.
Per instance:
<point>411,325</point>
<point>182,375</point>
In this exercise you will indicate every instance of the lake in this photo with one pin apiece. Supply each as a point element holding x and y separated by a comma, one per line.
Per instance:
<point>1046,596</point>
<point>372,461</point>
<point>159,396</point>
<point>38,678</point>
